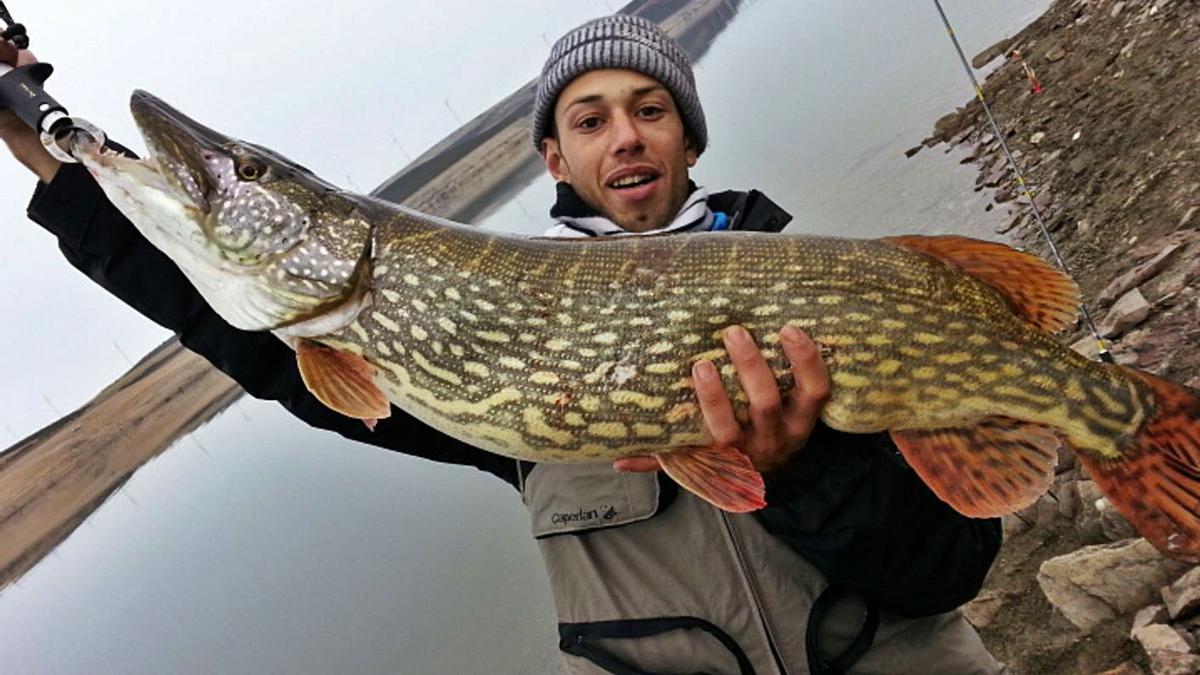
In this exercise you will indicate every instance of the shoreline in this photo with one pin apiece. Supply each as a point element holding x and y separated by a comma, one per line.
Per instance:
<point>1110,148</point>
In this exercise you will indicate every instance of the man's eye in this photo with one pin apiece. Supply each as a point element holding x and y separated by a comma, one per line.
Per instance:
<point>651,111</point>
<point>589,123</point>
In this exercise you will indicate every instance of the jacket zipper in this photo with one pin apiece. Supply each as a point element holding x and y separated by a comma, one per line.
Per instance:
<point>755,596</point>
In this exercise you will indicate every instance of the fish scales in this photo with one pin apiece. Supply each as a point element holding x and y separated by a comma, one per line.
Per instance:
<point>488,334</point>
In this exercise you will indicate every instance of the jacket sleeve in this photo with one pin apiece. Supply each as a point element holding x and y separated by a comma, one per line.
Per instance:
<point>853,508</point>
<point>99,241</point>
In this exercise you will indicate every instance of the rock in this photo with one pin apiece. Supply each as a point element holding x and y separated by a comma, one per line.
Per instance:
<point>1042,512</point>
<point>949,124</point>
<point>1098,583</point>
<point>1183,596</point>
<point>1037,137</point>
<point>1043,200</point>
<point>1066,458</point>
<point>1117,7</point>
<point>1161,637</point>
<point>981,611</point>
<point>1126,313</point>
<point>1084,226</point>
<point>1148,615</point>
<point>1086,346</point>
<point>1127,668</point>
<point>1139,274</point>
<point>1056,54</point>
<point>988,55</point>
<point>913,150</point>
<point>1068,498</point>
<point>1113,525</point>
<point>1173,663</point>
<point>1011,524</point>
<point>995,178</point>
<point>1187,217</point>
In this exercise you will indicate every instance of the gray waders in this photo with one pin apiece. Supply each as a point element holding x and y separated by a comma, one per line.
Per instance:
<point>686,588</point>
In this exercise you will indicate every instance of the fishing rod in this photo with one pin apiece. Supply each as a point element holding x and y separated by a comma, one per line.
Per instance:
<point>21,92</point>
<point>1101,347</point>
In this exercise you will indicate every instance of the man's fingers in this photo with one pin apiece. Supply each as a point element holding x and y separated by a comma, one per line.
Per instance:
<point>715,405</point>
<point>812,388</point>
<point>638,463</point>
<point>762,391</point>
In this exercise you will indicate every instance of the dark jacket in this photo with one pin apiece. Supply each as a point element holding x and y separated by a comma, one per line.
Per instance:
<point>848,503</point>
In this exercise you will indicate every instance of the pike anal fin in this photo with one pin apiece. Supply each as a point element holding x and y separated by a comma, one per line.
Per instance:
<point>1156,483</point>
<point>997,466</point>
<point>343,382</point>
<point>721,476</point>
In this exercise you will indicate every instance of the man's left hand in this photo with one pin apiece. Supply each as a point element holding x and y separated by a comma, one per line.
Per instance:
<point>779,424</point>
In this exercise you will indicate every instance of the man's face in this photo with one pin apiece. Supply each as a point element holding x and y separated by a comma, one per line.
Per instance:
<point>620,144</point>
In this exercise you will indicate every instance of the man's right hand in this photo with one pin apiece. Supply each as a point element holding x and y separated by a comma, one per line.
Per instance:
<point>22,141</point>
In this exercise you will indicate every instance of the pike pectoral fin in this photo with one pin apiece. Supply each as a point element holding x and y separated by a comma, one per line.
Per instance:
<point>721,476</point>
<point>344,382</point>
<point>998,466</point>
<point>1037,292</point>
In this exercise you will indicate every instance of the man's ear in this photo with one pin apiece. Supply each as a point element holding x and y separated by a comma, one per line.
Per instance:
<point>556,164</point>
<point>689,151</point>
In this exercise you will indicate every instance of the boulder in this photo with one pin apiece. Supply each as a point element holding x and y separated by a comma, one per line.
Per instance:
<point>1099,583</point>
<point>1139,274</point>
<point>1161,637</point>
<point>1183,596</point>
<point>1126,313</point>
<point>1056,53</point>
<point>988,55</point>
<point>1149,615</point>
<point>1173,663</point>
<point>981,611</point>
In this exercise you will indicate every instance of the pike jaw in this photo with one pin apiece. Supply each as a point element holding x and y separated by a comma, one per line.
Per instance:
<point>269,245</point>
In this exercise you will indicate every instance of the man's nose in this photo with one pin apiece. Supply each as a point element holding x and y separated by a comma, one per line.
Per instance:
<point>627,138</point>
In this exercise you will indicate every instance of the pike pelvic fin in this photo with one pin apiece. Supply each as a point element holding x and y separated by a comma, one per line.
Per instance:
<point>998,466</point>
<point>343,382</point>
<point>1156,485</point>
<point>1037,292</point>
<point>723,477</point>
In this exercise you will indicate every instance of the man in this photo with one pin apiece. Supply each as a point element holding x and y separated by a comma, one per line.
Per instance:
<point>646,578</point>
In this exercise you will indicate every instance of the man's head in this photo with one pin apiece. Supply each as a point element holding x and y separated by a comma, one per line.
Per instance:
<point>617,117</point>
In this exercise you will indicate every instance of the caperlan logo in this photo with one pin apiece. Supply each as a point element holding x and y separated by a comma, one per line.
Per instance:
<point>605,512</point>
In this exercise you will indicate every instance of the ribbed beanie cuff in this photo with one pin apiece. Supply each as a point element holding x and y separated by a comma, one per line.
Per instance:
<point>625,42</point>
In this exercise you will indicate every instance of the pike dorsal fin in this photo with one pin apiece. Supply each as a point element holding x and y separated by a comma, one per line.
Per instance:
<point>1037,292</point>
<point>343,382</point>
<point>997,466</point>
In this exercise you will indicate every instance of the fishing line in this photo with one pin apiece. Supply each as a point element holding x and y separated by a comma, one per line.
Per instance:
<point>1101,348</point>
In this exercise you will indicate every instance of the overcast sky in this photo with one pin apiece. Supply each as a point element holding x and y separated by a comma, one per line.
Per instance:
<point>351,90</point>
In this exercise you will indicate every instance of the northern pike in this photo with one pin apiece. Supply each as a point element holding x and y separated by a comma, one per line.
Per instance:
<point>580,350</point>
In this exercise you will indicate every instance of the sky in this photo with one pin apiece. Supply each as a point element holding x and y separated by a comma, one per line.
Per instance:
<point>353,93</point>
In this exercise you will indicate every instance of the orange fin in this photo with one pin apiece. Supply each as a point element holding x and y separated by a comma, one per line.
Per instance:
<point>344,382</point>
<point>1037,292</point>
<point>1157,483</point>
<point>989,469</point>
<point>723,477</point>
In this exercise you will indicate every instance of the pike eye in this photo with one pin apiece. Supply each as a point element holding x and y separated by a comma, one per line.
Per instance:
<point>250,169</point>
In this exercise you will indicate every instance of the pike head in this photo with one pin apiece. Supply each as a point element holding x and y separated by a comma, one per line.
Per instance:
<point>269,245</point>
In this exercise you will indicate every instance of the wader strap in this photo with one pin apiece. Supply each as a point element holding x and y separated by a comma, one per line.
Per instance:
<point>817,663</point>
<point>576,639</point>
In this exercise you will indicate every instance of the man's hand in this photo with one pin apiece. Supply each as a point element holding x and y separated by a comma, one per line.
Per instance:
<point>779,425</point>
<point>23,142</point>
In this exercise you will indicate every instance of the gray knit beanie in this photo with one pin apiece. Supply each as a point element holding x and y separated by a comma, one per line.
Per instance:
<point>626,42</point>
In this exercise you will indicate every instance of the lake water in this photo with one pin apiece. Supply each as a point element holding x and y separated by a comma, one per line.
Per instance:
<point>259,546</point>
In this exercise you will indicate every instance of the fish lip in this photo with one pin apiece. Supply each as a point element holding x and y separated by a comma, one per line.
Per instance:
<point>170,133</point>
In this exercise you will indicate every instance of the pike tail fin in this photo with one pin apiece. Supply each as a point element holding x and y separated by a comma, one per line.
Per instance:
<point>723,477</point>
<point>1156,484</point>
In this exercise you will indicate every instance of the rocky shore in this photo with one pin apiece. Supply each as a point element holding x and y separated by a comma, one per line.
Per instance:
<point>1105,123</point>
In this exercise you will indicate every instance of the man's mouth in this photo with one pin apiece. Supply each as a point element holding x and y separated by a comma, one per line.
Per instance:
<point>632,181</point>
